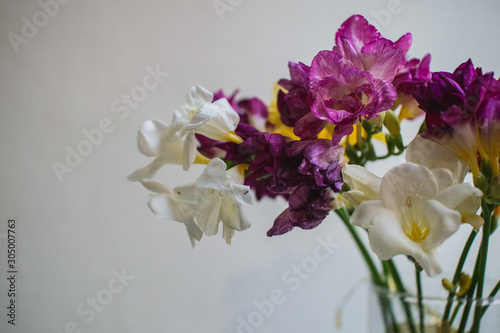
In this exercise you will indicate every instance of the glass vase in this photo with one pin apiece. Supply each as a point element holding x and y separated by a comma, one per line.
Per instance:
<point>394,312</point>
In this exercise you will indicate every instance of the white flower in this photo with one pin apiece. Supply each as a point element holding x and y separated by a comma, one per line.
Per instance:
<point>449,170</point>
<point>218,195</point>
<point>435,156</point>
<point>215,197</point>
<point>363,184</point>
<point>157,139</point>
<point>216,120</point>
<point>166,205</point>
<point>414,216</point>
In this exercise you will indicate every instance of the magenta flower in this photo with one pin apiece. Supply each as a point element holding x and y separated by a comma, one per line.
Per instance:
<point>360,42</point>
<point>343,86</point>
<point>413,74</point>
<point>344,93</point>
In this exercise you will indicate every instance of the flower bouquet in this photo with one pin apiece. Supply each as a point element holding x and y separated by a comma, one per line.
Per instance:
<point>310,145</point>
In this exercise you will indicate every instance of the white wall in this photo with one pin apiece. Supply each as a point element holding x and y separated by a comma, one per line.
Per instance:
<point>74,235</point>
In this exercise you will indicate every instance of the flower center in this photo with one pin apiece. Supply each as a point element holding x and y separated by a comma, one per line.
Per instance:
<point>415,226</point>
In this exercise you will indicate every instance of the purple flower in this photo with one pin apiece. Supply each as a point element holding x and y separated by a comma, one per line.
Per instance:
<point>311,176</point>
<point>308,207</point>
<point>342,86</point>
<point>451,102</point>
<point>344,93</point>
<point>321,160</point>
<point>266,155</point>
<point>295,106</point>
<point>414,73</point>
<point>488,124</point>
<point>361,43</point>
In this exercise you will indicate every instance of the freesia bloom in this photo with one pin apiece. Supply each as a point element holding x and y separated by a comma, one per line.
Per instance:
<point>310,177</point>
<point>360,43</point>
<point>347,84</point>
<point>435,156</point>
<point>363,185</point>
<point>344,93</point>
<point>216,120</point>
<point>413,215</point>
<point>214,198</point>
<point>415,72</point>
<point>450,102</point>
<point>488,124</point>
<point>157,139</point>
<point>166,205</point>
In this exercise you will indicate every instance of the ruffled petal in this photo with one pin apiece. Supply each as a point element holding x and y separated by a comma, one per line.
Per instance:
<point>382,59</point>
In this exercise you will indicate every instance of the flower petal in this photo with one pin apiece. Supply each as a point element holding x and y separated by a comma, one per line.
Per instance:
<point>147,171</point>
<point>197,97</point>
<point>444,178</point>
<point>363,214</point>
<point>406,181</point>
<point>442,221</point>
<point>150,136</point>
<point>359,179</point>
<point>457,196</point>
<point>214,176</point>
<point>433,156</point>
<point>189,151</point>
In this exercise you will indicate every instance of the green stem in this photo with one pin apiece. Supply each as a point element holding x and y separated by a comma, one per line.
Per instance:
<point>454,314</point>
<point>364,252</point>
<point>402,290</point>
<point>492,294</point>
<point>419,298</point>
<point>482,266</point>
<point>470,295</point>
<point>456,278</point>
<point>387,313</point>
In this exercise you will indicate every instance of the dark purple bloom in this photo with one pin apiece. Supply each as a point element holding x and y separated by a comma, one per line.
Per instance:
<point>450,101</point>
<point>488,123</point>
<point>321,160</point>
<point>308,207</point>
<point>295,106</point>
<point>311,176</point>
<point>266,155</point>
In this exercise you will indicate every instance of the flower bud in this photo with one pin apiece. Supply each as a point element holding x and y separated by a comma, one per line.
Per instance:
<point>493,193</point>
<point>448,285</point>
<point>464,284</point>
<point>391,122</point>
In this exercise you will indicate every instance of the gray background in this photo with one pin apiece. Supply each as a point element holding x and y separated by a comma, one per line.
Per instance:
<point>73,234</point>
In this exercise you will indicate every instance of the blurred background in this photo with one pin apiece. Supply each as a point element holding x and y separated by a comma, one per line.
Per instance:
<point>91,257</point>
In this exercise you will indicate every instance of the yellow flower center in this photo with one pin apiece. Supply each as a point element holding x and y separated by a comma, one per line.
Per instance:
<point>415,226</point>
